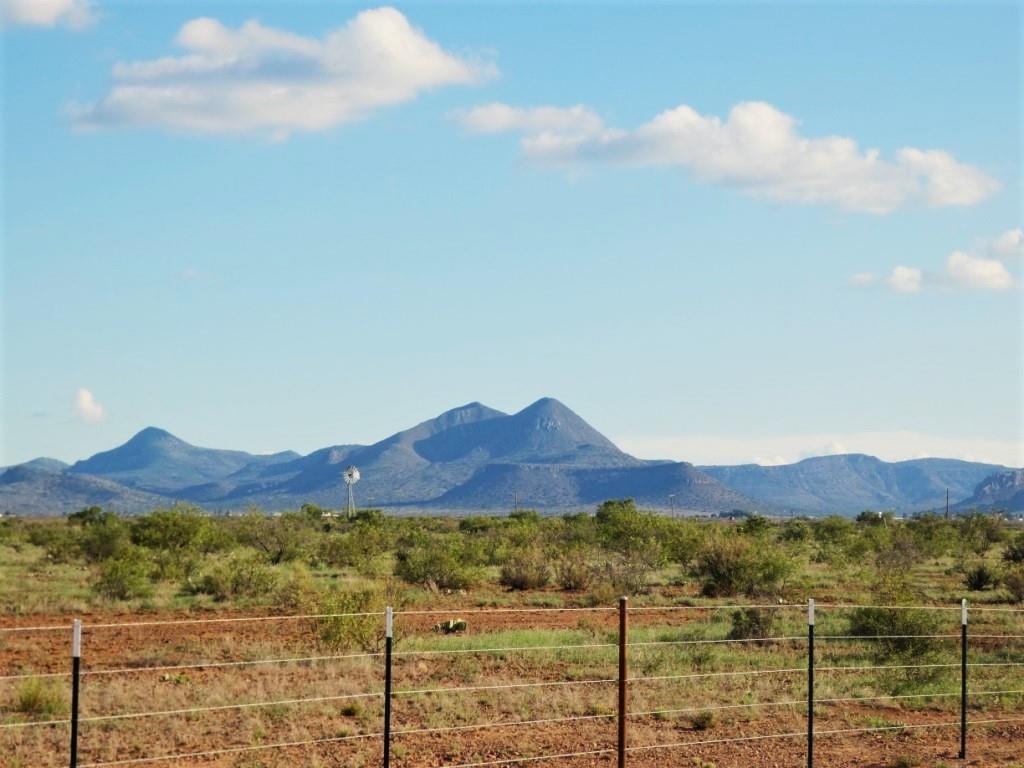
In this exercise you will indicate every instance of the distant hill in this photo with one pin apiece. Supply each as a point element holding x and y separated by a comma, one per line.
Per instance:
<point>664,485</point>
<point>475,457</point>
<point>25,489</point>
<point>1002,490</point>
<point>154,460</point>
<point>43,463</point>
<point>854,482</point>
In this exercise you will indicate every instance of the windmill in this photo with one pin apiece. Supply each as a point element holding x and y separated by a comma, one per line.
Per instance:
<point>351,477</point>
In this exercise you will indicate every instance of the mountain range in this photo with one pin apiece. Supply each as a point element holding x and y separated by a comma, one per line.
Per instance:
<point>478,458</point>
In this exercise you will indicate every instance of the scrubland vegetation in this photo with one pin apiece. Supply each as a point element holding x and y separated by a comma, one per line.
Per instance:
<point>178,562</point>
<point>179,558</point>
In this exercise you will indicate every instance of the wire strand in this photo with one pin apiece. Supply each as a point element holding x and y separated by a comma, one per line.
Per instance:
<point>504,686</point>
<point>229,750</point>
<point>229,620</point>
<point>715,642</point>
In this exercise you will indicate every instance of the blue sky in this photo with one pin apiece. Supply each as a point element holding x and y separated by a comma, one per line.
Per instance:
<point>340,220</point>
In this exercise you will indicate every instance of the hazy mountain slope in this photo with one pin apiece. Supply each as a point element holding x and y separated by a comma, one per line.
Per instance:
<point>155,460</point>
<point>44,463</point>
<point>25,490</point>
<point>1001,490</point>
<point>854,482</point>
<point>560,486</point>
<point>477,457</point>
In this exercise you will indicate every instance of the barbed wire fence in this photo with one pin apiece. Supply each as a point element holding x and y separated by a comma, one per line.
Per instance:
<point>623,683</point>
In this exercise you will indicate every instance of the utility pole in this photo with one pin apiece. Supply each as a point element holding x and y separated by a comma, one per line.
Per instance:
<point>947,503</point>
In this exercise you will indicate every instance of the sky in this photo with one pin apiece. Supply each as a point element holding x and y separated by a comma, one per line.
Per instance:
<point>720,233</point>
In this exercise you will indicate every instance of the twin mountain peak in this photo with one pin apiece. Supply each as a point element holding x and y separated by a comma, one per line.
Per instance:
<point>476,457</point>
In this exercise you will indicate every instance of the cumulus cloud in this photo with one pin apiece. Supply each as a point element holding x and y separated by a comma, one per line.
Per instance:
<point>47,13</point>
<point>977,273</point>
<point>982,269</point>
<point>1008,245</point>
<point>257,79</point>
<point>757,148</point>
<point>905,279</point>
<point>86,407</point>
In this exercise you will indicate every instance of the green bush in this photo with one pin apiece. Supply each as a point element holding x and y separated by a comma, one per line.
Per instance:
<point>243,574</point>
<point>980,577</point>
<point>339,632</point>
<point>40,698</point>
<point>702,721</point>
<point>103,538</point>
<point>728,567</point>
<point>126,576</point>
<point>1015,549</point>
<point>1013,580</point>
<point>752,624</point>
<point>903,633</point>
<point>573,571</point>
<point>439,563</point>
<point>526,569</point>
<point>60,543</point>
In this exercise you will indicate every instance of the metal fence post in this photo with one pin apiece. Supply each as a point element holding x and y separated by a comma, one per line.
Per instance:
<point>810,683</point>
<point>623,675</point>
<point>963,679</point>
<point>76,663</point>
<point>389,626</point>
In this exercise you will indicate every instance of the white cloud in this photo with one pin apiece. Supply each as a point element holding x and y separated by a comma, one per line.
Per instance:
<point>785,449</point>
<point>905,279</point>
<point>86,408</point>
<point>984,269</point>
<point>257,79</point>
<point>757,148</point>
<point>1008,245</point>
<point>501,118</point>
<point>863,279</point>
<point>977,273</point>
<point>47,13</point>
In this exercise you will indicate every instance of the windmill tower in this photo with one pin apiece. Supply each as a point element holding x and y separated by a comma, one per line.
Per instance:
<point>351,477</point>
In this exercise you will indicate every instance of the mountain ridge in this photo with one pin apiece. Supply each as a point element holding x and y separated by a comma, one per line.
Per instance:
<point>476,457</point>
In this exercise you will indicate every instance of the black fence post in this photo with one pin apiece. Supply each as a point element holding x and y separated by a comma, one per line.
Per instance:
<point>76,663</point>
<point>963,679</point>
<point>810,683</point>
<point>389,627</point>
<point>623,675</point>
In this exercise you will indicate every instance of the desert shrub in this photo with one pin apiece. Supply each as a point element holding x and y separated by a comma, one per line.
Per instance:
<point>336,631</point>
<point>625,574</point>
<point>103,537</point>
<point>755,525</point>
<point>438,563</point>
<point>526,569</point>
<point>978,532</point>
<point>360,547</point>
<point>980,577</point>
<point>126,576</point>
<point>573,571</point>
<point>751,624</point>
<point>243,574</point>
<point>904,631</point>
<point>729,567</point>
<point>702,721</point>
<point>933,534</point>
<point>1013,580</point>
<point>59,543</point>
<point>1015,549</point>
<point>40,698</point>
<point>795,531</point>
<point>280,539</point>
